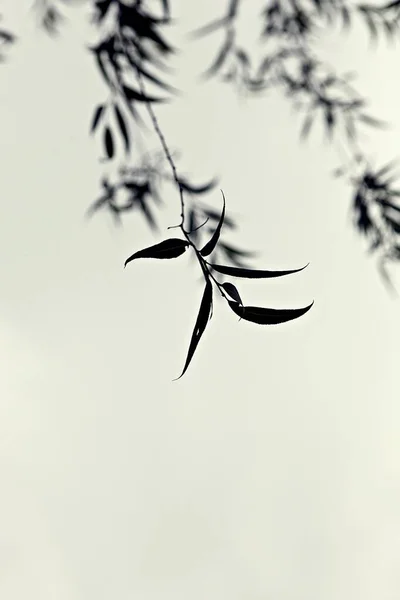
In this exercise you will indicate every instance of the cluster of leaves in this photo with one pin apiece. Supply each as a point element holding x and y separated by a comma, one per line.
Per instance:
<point>377,210</point>
<point>313,87</point>
<point>132,51</point>
<point>382,19</point>
<point>175,247</point>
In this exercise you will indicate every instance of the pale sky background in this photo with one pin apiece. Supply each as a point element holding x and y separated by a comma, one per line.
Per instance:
<point>271,471</point>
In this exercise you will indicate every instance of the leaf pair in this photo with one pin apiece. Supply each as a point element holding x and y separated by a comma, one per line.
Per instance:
<point>109,144</point>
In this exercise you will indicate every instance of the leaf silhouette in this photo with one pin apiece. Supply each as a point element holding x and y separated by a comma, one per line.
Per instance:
<point>96,117</point>
<point>108,142</point>
<point>132,94</point>
<point>209,247</point>
<point>232,291</point>
<point>267,316</point>
<point>171,248</point>
<point>199,189</point>
<point>221,56</point>
<point>122,126</point>
<point>201,323</point>
<point>252,273</point>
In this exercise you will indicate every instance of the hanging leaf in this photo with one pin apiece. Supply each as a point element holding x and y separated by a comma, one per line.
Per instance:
<point>165,4</point>
<point>200,189</point>
<point>108,142</point>
<point>201,323</point>
<point>132,94</point>
<point>252,273</point>
<point>209,247</point>
<point>267,316</point>
<point>96,117</point>
<point>171,248</point>
<point>123,128</point>
<point>232,291</point>
<point>306,126</point>
<point>221,56</point>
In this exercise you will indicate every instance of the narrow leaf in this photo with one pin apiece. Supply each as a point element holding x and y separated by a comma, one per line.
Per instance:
<point>210,27</point>
<point>232,291</point>
<point>252,273</point>
<point>108,142</point>
<point>171,248</point>
<point>308,121</point>
<point>221,56</point>
<point>122,126</point>
<point>201,323</point>
<point>267,316</point>
<point>209,247</point>
<point>200,189</point>
<point>96,117</point>
<point>132,94</point>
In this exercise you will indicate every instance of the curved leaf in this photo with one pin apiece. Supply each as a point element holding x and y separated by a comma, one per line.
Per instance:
<point>200,189</point>
<point>96,117</point>
<point>122,126</point>
<point>201,323</point>
<point>171,248</point>
<point>267,316</point>
<point>232,291</point>
<point>108,142</point>
<point>209,247</point>
<point>132,94</point>
<point>252,273</point>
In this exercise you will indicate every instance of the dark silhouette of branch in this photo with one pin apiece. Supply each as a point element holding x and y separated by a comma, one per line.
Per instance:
<point>129,55</point>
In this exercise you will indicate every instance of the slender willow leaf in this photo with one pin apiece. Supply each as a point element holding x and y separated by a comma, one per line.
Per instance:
<point>201,323</point>
<point>96,117</point>
<point>165,4</point>
<point>108,142</point>
<point>232,291</point>
<point>222,55</point>
<point>200,189</point>
<point>267,316</point>
<point>209,247</point>
<point>132,94</point>
<point>210,27</point>
<point>171,248</point>
<point>122,126</point>
<point>252,273</point>
<point>306,126</point>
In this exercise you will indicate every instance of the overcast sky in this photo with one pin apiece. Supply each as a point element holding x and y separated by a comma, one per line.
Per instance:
<point>271,470</point>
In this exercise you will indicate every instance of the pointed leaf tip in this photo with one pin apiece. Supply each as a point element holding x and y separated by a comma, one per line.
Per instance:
<point>268,316</point>
<point>252,273</point>
<point>201,323</point>
<point>232,291</point>
<point>209,247</point>
<point>171,248</point>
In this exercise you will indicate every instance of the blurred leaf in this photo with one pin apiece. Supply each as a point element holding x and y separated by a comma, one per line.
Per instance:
<point>308,121</point>
<point>221,56</point>
<point>122,126</point>
<point>132,94</point>
<point>200,189</point>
